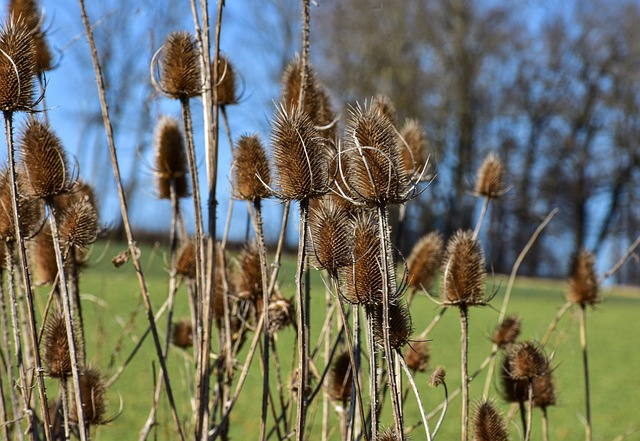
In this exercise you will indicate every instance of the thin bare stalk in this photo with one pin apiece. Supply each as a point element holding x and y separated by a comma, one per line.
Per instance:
<point>4,424</point>
<point>327,362</point>
<point>304,68</point>
<point>545,424</point>
<point>373,380</point>
<point>444,410</point>
<point>464,324</point>
<point>74,297</point>
<point>65,407</point>
<point>614,269</point>
<point>125,215</point>
<point>279,387</point>
<point>433,323</point>
<point>417,394</point>
<point>483,212</point>
<point>527,435</point>
<point>554,323</point>
<point>585,363</point>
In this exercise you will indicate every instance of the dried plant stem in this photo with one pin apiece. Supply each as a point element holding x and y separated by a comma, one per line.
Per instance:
<point>125,215</point>
<point>554,323</point>
<point>585,363</point>
<point>445,405</point>
<point>279,387</point>
<point>614,269</point>
<point>464,325</point>
<point>4,424</point>
<point>527,435</point>
<point>304,65</point>
<point>373,380</point>
<point>433,323</point>
<point>8,359</point>
<point>545,424</point>
<point>417,394</point>
<point>74,297</point>
<point>483,213</point>
<point>65,407</point>
<point>28,291</point>
<point>327,362</point>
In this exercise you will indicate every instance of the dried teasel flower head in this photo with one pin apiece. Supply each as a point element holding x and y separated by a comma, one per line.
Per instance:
<point>464,271</point>
<point>414,146</point>
<point>249,278</point>
<point>45,267</point>
<point>179,66</point>
<point>437,377</point>
<point>515,391</point>
<point>526,360</point>
<point>251,175</point>
<point>57,358</point>
<point>186,264</point>
<point>544,390</point>
<point>363,278</point>
<point>390,434</point>
<point>488,423</point>
<point>425,261</point>
<point>400,325</point>
<point>281,313</point>
<point>489,182</point>
<point>80,192</point>
<point>182,336</point>
<point>31,211</point>
<point>331,235</point>
<point>44,161</point>
<point>383,104</point>
<point>583,282</point>
<point>79,224</point>
<point>417,356</point>
<point>507,332</point>
<point>226,82</point>
<point>170,159</point>
<point>17,66</point>
<point>300,157</point>
<point>341,378</point>
<point>30,13</point>
<point>93,394</point>
<point>373,162</point>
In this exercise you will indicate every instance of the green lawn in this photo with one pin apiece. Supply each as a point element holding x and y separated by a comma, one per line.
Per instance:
<point>115,319</point>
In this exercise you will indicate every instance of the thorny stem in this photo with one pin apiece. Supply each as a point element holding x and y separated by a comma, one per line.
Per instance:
<point>3,413</point>
<point>65,407</point>
<point>26,280</point>
<point>415,391</point>
<point>527,435</point>
<point>585,362</point>
<point>464,324</point>
<point>74,297</point>
<point>9,362</point>
<point>373,372</point>
<point>483,212</point>
<point>304,68</point>
<point>125,215</point>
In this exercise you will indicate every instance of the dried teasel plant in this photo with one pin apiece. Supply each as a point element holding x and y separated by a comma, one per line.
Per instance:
<point>249,276</point>
<point>390,434</point>
<point>332,235</point>
<point>226,82</point>
<point>186,264</point>
<point>400,324</point>
<point>507,332</point>
<point>31,211</point>
<point>583,281</point>
<point>170,159</point>
<point>385,106</point>
<point>414,146</point>
<point>80,191</point>
<point>341,378</point>
<point>490,178</point>
<point>281,314</point>
<point>182,334</point>
<point>425,261</point>
<point>17,66</point>
<point>417,356</point>
<point>251,175</point>
<point>363,279</point>
<point>488,423</point>
<point>437,377</point>
<point>79,224</point>
<point>29,11</point>
<point>179,76</point>
<point>93,393</point>
<point>45,267</point>
<point>56,357</point>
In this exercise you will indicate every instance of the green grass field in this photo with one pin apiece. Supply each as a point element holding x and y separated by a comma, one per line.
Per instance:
<point>115,319</point>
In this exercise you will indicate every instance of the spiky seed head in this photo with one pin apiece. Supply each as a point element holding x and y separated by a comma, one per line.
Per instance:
<point>57,358</point>
<point>80,192</point>
<point>249,280</point>
<point>170,159</point>
<point>464,271</point>
<point>179,66</point>
<point>385,107</point>
<point>490,179</point>
<point>373,161</point>
<point>417,356</point>
<point>583,281</point>
<point>527,360</point>
<point>363,278</point>
<point>45,267</point>
<point>544,390</point>
<point>341,378</point>
<point>331,235</point>
<point>44,161</point>
<point>93,394</point>
<point>182,334</point>
<point>437,377</point>
<point>226,82</point>
<point>414,148</point>
<point>29,12</point>
<point>186,263</point>
<point>390,434</point>
<point>488,423</point>
<point>3,255</point>
<point>424,261</point>
<point>281,314</point>
<point>79,224</point>
<point>507,332</point>
<point>31,211</point>
<point>17,66</point>
<point>251,175</point>
<point>300,158</point>
<point>400,325</point>
<point>517,390</point>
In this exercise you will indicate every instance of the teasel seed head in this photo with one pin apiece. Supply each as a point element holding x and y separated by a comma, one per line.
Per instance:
<point>488,423</point>
<point>527,360</point>
<point>464,271</point>
<point>186,264</point>
<point>341,378</point>
<point>390,434</point>
<point>180,67</point>
<point>515,391</point>
<point>17,66</point>
<point>300,157</point>
<point>182,334</point>
<point>31,211</point>
<point>417,356</point>
<point>44,161</point>
<point>425,261</point>
<point>414,148</point>
<point>223,272</point>
<point>57,358</point>
<point>29,12</point>
<point>400,325</point>
<point>45,267</point>
<point>373,162</point>
<point>251,175</point>
<point>583,281</point>
<point>93,393</point>
<point>383,105</point>
<point>226,82</point>
<point>489,182</point>
<point>249,280</point>
<point>363,278</point>
<point>281,314</point>
<point>79,224</point>
<point>170,159</point>
<point>80,192</point>
<point>331,236</point>
<point>507,332</point>
<point>437,377</point>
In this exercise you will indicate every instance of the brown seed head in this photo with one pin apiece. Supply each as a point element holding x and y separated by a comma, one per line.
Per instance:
<point>390,434</point>
<point>488,423</point>
<point>80,192</point>
<point>414,149</point>
<point>92,391</point>
<point>44,161</point>
<point>363,279</point>
<point>417,356</point>
<point>489,182</point>
<point>226,82</point>
<point>514,391</point>
<point>251,174</point>
<point>424,261</point>
<point>186,264</point>
<point>385,107</point>
<point>182,334</point>
<point>29,12</point>
<point>527,361</point>
<point>331,236</point>
<point>179,66</point>
<point>79,224</point>
<point>464,271</point>
<point>437,377</point>
<point>544,390</point>
<point>507,332</point>
<point>300,158</point>
<point>341,378</point>
<point>17,66</point>
<point>281,314</point>
<point>170,159</point>
<point>57,358</point>
<point>583,282</point>
<point>400,326</point>
<point>45,267</point>
<point>249,280</point>
<point>31,211</point>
